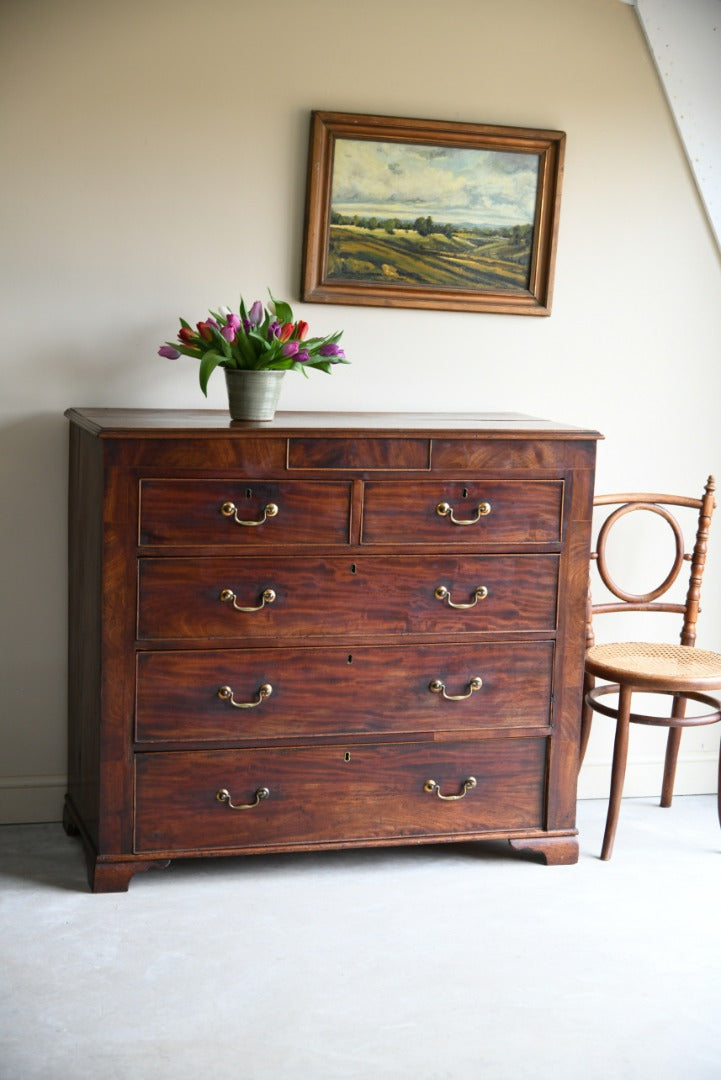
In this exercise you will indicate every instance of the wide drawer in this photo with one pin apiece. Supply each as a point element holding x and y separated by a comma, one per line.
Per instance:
<point>336,794</point>
<point>242,513</point>
<point>463,512</point>
<point>195,696</point>
<point>282,599</point>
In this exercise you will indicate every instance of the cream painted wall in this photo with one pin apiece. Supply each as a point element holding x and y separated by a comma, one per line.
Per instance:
<point>155,166</point>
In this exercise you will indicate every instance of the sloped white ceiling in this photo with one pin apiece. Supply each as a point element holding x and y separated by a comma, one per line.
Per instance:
<point>684,37</point>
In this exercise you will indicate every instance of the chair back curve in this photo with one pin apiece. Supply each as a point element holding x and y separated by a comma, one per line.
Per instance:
<point>654,599</point>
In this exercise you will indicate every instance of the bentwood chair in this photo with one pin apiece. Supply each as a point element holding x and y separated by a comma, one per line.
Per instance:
<point>681,672</point>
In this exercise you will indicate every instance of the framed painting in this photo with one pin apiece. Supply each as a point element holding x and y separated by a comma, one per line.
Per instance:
<point>431,214</point>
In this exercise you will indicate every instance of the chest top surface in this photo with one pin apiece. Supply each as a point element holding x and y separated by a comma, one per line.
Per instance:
<point>211,423</point>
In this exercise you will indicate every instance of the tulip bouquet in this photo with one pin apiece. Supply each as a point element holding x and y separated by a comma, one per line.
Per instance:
<point>261,339</point>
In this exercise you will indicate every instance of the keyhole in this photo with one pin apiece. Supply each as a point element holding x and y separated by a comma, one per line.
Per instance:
<point>249,493</point>
<point>346,756</point>
<point>350,658</point>
<point>353,568</point>
<point>465,493</point>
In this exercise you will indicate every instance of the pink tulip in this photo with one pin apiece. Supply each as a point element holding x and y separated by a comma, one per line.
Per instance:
<point>331,350</point>
<point>169,352</point>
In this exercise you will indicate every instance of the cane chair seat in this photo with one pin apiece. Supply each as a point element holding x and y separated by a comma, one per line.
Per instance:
<point>644,663</point>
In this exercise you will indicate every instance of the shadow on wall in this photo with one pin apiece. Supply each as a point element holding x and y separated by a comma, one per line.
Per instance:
<point>33,480</point>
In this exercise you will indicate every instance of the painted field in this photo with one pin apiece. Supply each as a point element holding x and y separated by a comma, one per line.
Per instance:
<point>465,259</point>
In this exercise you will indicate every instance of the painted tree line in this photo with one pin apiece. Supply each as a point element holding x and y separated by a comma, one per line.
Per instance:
<point>426,226</point>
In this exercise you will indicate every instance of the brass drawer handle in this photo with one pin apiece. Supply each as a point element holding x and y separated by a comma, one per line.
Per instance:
<point>230,510</point>
<point>223,795</point>
<point>226,694</point>
<point>445,510</point>
<point>442,593</point>
<point>268,596</point>
<point>437,687</point>
<point>431,786</point>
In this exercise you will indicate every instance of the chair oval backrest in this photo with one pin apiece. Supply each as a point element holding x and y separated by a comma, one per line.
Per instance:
<point>651,599</point>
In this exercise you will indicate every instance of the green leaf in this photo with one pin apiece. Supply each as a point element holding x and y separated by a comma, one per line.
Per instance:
<point>244,348</point>
<point>220,342</point>
<point>283,311</point>
<point>186,350</point>
<point>207,366</point>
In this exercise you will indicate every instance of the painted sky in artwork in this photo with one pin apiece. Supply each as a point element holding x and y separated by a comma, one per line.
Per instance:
<point>457,186</point>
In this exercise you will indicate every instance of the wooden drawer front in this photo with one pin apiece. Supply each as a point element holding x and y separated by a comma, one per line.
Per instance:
<point>336,794</point>
<point>358,453</point>
<point>184,512</point>
<point>320,692</point>
<point>519,511</point>
<point>194,598</point>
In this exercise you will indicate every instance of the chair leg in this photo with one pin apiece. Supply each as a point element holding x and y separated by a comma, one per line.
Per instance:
<point>586,719</point>
<point>674,741</point>
<point>618,774</point>
<point>669,768</point>
<point>719,786</point>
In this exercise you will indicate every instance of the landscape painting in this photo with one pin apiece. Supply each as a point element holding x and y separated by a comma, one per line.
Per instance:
<point>431,214</point>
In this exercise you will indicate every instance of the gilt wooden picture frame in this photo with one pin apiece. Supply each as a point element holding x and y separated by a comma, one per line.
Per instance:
<point>431,214</point>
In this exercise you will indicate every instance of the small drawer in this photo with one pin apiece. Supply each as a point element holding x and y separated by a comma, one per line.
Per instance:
<point>333,452</point>
<point>313,597</point>
<point>463,512</point>
<point>266,694</point>
<point>244,514</point>
<point>337,794</point>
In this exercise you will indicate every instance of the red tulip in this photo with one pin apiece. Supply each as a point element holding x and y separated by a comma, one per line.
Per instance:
<point>301,329</point>
<point>285,331</point>
<point>187,335</point>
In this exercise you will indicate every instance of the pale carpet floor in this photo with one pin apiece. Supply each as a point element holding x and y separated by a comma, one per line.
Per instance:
<point>399,964</point>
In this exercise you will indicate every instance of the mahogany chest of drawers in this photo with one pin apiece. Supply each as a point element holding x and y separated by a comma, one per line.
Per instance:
<point>334,630</point>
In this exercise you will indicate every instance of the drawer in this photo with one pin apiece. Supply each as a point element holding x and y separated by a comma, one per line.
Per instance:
<point>334,691</point>
<point>245,514</point>
<point>463,512</point>
<point>337,452</point>
<point>305,596</point>
<point>337,794</point>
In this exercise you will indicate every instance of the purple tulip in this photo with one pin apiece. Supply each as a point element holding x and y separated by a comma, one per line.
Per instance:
<point>169,352</point>
<point>256,313</point>
<point>273,330</point>
<point>331,350</point>
<point>233,320</point>
<point>303,356</point>
<point>290,348</point>
<point>228,333</point>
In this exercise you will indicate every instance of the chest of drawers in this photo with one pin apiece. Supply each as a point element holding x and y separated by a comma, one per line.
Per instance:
<point>335,630</point>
